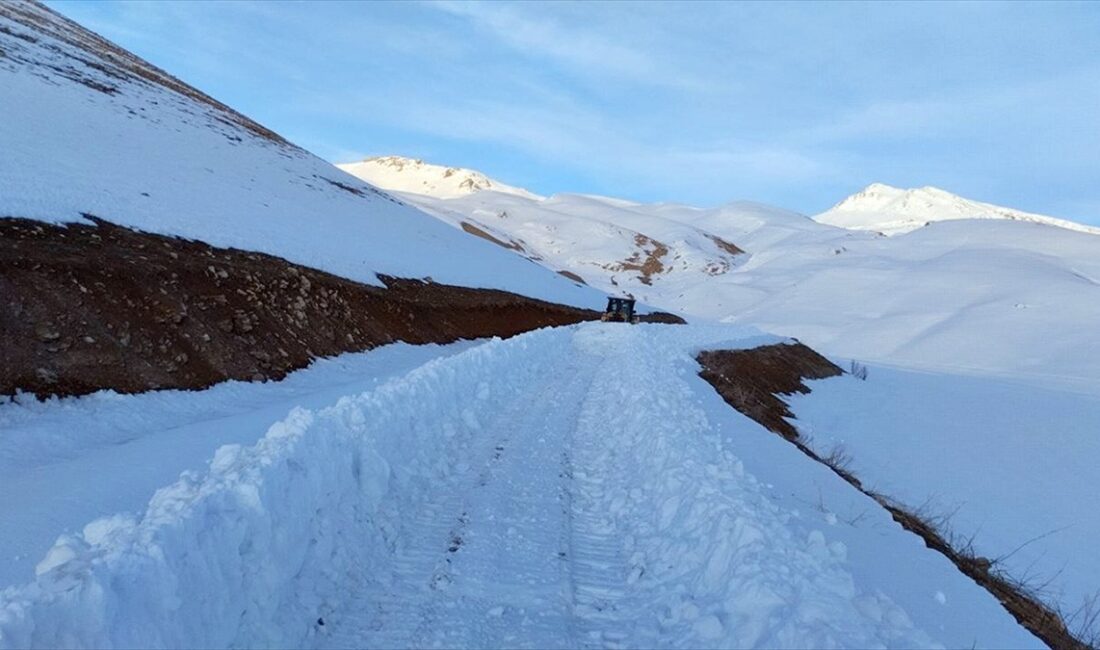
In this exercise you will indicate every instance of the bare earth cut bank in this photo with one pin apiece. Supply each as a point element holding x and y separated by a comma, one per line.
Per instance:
<point>754,381</point>
<point>90,306</point>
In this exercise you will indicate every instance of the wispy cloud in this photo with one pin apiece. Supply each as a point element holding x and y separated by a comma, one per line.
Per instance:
<point>576,46</point>
<point>699,102</point>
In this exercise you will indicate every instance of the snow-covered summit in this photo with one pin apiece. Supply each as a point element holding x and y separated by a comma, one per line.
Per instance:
<point>894,211</point>
<point>418,177</point>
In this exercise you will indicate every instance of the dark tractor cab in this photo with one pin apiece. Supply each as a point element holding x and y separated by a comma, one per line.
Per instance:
<point>619,310</point>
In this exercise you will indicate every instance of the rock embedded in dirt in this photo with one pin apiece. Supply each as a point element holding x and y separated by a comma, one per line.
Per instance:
<point>46,332</point>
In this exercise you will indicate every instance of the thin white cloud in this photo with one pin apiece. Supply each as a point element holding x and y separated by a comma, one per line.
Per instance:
<point>584,50</point>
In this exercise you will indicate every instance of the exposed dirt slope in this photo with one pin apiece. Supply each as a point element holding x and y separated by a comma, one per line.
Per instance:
<point>93,306</point>
<point>753,380</point>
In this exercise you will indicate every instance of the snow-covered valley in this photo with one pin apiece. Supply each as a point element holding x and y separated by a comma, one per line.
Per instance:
<point>504,483</point>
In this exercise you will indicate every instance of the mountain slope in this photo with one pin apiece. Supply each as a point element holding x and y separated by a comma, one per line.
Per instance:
<point>619,246</point>
<point>894,211</point>
<point>204,246</point>
<point>97,131</point>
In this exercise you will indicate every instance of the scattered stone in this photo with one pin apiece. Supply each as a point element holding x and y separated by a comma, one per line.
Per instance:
<point>46,332</point>
<point>46,376</point>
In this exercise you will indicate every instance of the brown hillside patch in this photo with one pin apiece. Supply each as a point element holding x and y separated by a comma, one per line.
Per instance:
<point>646,260</point>
<point>725,245</point>
<point>572,276</point>
<point>87,307</point>
<point>478,232</point>
<point>753,381</point>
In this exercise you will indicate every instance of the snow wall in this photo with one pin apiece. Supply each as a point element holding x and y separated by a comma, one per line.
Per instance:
<point>255,551</point>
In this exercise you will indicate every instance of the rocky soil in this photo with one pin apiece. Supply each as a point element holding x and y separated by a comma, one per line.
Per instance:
<point>90,306</point>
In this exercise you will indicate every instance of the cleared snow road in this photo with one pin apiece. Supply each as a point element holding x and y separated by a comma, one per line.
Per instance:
<point>599,511</point>
<point>575,487</point>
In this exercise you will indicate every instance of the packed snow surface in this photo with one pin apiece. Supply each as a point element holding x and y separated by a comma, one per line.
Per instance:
<point>570,487</point>
<point>80,135</point>
<point>992,297</point>
<point>894,211</point>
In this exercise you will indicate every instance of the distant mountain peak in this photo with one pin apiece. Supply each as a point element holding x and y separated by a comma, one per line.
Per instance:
<point>415,176</point>
<point>894,211</point>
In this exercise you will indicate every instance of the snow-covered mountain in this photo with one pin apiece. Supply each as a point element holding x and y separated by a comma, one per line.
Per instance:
<point>894,211</point>
<point>621,245</point>
<point>416,176</point>
<point>928,299</point>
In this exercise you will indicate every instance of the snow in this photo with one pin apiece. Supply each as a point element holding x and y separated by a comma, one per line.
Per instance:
<point>894,211</point>
<point>929,299</point>
<point>1010,462</point>
<point>151,158</point>
<point>570,486</point>
<point>988,317</point>
<point>416,176</point>
<point>65,462</point>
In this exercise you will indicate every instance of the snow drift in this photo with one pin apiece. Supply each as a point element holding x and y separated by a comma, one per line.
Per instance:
<point>256,548</point>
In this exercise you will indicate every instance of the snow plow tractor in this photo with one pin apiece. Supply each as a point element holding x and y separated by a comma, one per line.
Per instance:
<point>619,310</point>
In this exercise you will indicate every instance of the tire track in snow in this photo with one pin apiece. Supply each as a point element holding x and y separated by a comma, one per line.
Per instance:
<point>484,561</point>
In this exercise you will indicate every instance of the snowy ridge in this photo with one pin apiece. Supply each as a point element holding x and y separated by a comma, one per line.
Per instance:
<point>894,211</point>
<point>619,246</point>
<point>418,177</point>
<point>385,519</point>
<point>926,300</point>
<point>98,131</point>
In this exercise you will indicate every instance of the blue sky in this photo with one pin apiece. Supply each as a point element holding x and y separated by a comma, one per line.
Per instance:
<point>793,104</point>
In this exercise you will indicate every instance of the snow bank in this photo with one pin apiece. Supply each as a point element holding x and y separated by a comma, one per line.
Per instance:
<point>65,462</point>
<point>254,548</point>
